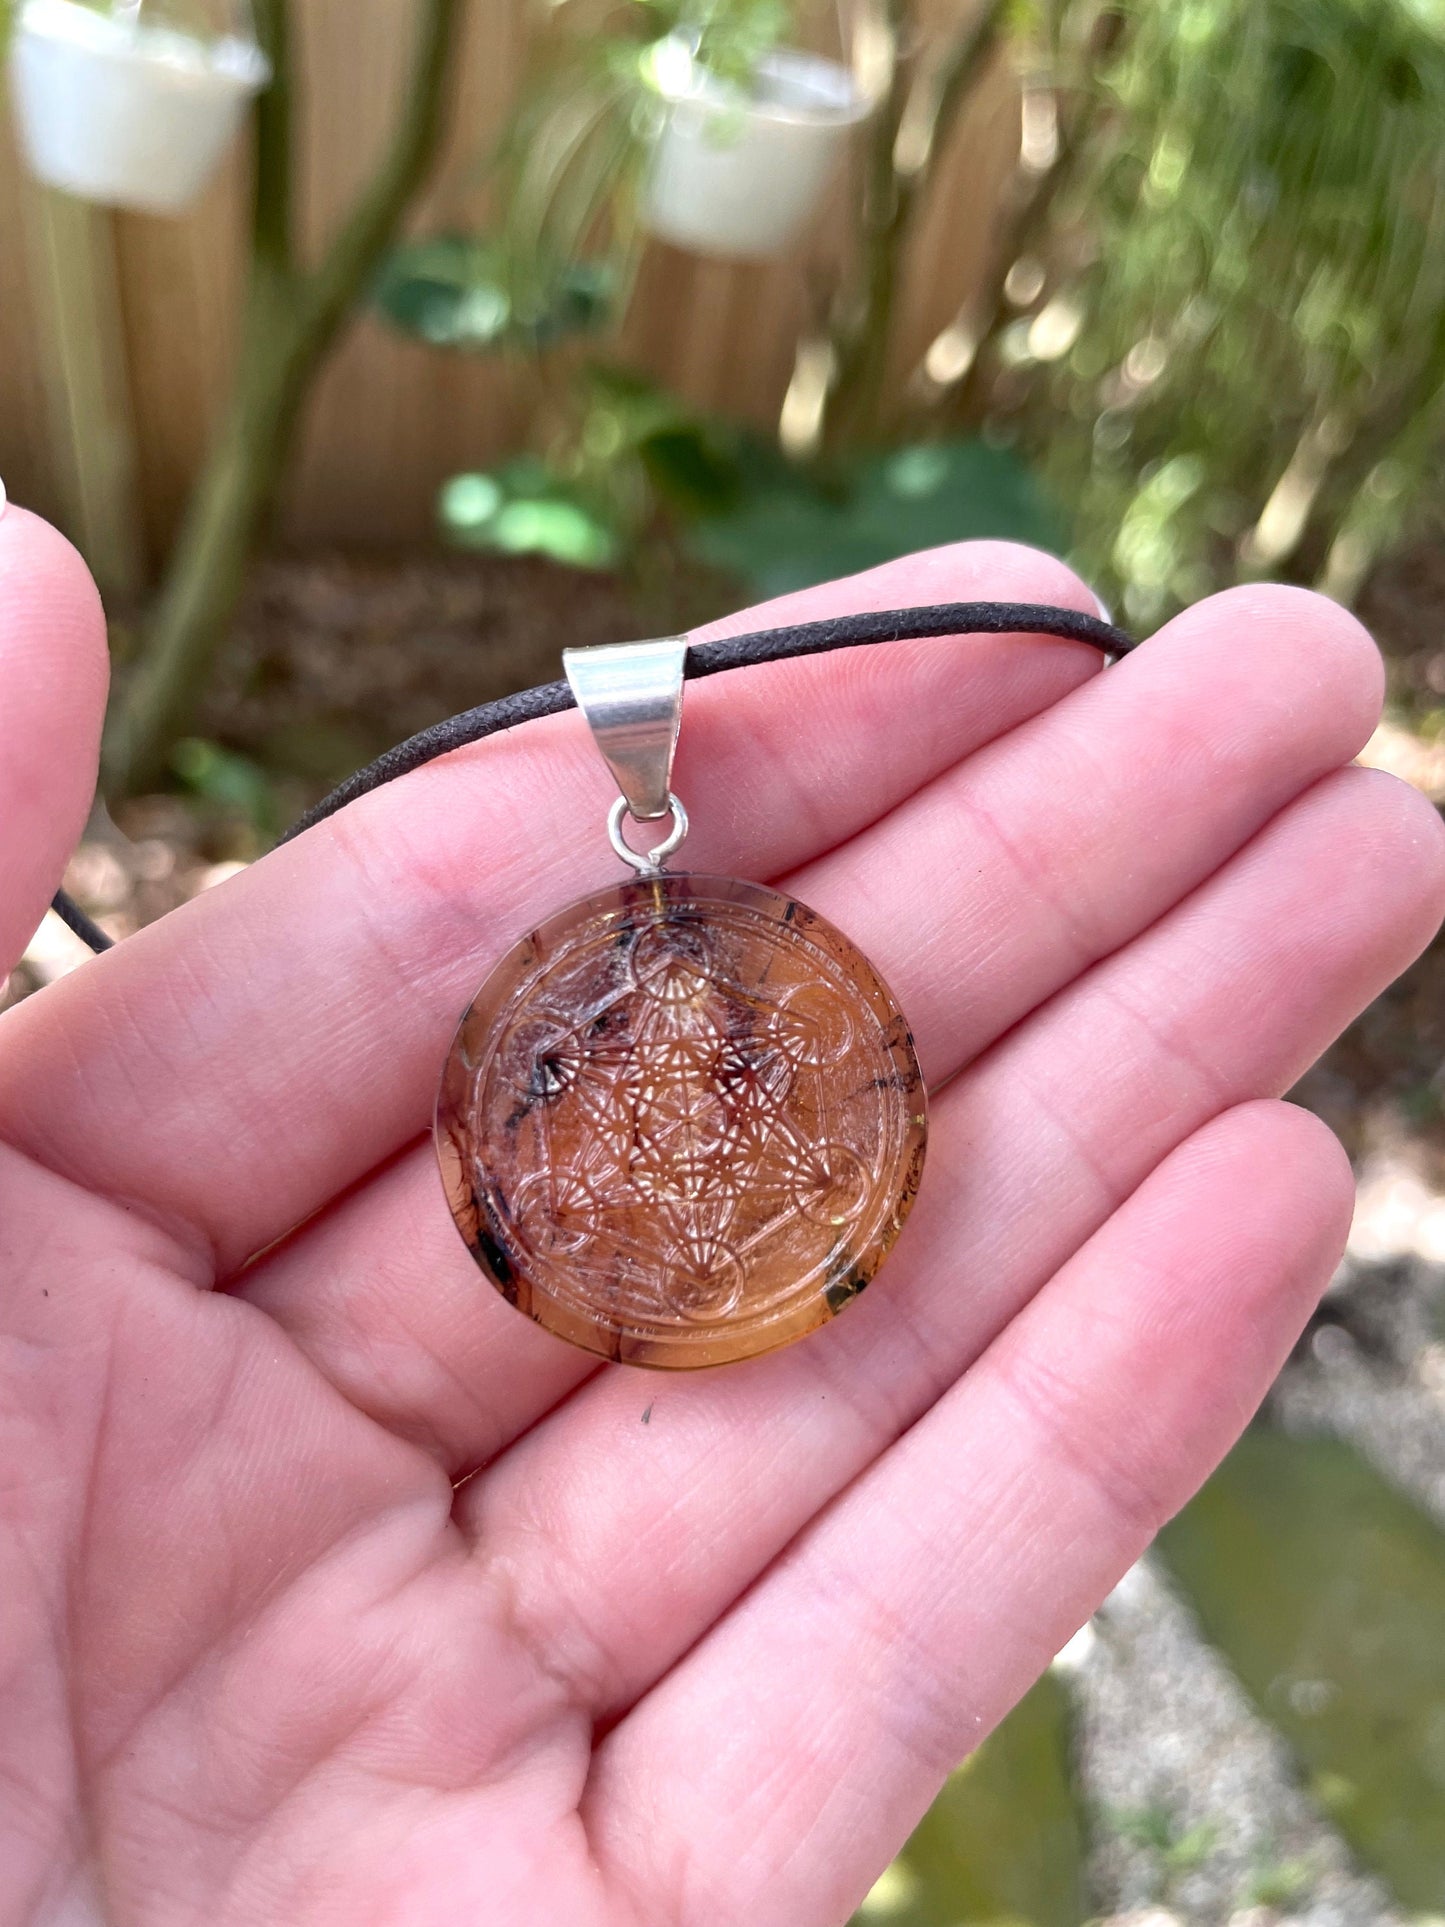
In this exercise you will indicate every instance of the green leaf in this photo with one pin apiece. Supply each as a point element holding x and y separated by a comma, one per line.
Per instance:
<point>1325,1590</point>
<point>634,403</point>
<point>1003,1845</point>
<point>691,469</point>
<point>453,291</point>
<point>566,531</point>
<point>729,37</point>
<point>521,509</point>
<point>223,777</point>
<point>790,531</point>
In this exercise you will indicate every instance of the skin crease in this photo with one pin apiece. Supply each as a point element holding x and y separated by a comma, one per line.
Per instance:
<point>262,1658</point>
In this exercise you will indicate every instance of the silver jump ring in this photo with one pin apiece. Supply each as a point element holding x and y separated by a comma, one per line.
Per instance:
<point>647,862</point>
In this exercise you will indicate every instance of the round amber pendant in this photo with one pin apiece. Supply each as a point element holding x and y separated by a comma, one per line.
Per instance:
<point>682,1123</point>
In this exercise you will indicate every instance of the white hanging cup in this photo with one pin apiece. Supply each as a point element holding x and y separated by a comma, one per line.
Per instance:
<point>742,174</point>
<point>117,110</point>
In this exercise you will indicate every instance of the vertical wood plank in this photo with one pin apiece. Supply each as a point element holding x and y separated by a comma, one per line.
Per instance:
<point>76,315</point>
<point>182,281</point>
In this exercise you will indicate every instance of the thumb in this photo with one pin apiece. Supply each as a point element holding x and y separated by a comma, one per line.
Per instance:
<point>53,674</point>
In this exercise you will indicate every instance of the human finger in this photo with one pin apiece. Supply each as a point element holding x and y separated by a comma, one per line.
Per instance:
<point>53,671</point>
<point>903,1624</point>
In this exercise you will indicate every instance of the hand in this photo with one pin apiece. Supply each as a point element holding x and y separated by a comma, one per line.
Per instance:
<point>334,1591</point>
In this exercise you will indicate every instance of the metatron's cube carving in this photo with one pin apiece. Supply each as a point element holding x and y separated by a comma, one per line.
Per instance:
<point>682,1122</point>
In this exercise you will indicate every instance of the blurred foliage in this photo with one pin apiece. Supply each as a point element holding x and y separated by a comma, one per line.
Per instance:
<point>727,37</point>
<point>633,466</point>
<point>1233,357</point>
<point>626,457</point>
<point>231,782</point>
<point>791,528</point>
<point>1279,1884</point>
<point>1325,1590</point>
<point>1175,1850</point>
<point>1004,1843</point>
<point>452,291</point>
<point>523,509</point>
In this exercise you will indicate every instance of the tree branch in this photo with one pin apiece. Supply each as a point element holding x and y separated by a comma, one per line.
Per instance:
<point>962,67</point>
<point>271,191</point>
<point>291,321</point>
<point>377,210</point>
<point>1026,212</point>
<point>890,202</point>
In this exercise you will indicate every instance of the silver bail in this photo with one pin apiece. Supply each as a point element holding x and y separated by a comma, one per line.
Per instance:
<point>631,695</point>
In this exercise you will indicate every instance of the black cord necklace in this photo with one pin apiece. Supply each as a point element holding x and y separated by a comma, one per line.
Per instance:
<point>682,1121</point>
<point>703,659</point>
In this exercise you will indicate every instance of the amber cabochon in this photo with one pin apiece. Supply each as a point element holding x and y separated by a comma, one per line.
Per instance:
<point>682,1122</point>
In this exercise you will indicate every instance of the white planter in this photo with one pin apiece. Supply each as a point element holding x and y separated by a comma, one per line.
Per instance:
<point>743,175</point>
<point>119,112</point>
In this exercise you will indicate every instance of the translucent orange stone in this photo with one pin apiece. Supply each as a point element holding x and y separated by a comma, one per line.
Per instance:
<point>682,1123</point>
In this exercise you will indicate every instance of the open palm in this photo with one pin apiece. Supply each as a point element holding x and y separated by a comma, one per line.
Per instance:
<point>331,1590</point>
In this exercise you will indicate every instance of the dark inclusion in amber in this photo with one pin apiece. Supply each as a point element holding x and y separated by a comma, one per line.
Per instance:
<point>683,1122</point>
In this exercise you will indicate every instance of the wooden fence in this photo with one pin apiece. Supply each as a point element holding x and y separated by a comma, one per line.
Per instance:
<point>152,322</point>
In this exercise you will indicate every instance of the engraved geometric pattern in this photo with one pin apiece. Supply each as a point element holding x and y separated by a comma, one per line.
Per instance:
<point>682,1122</point>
